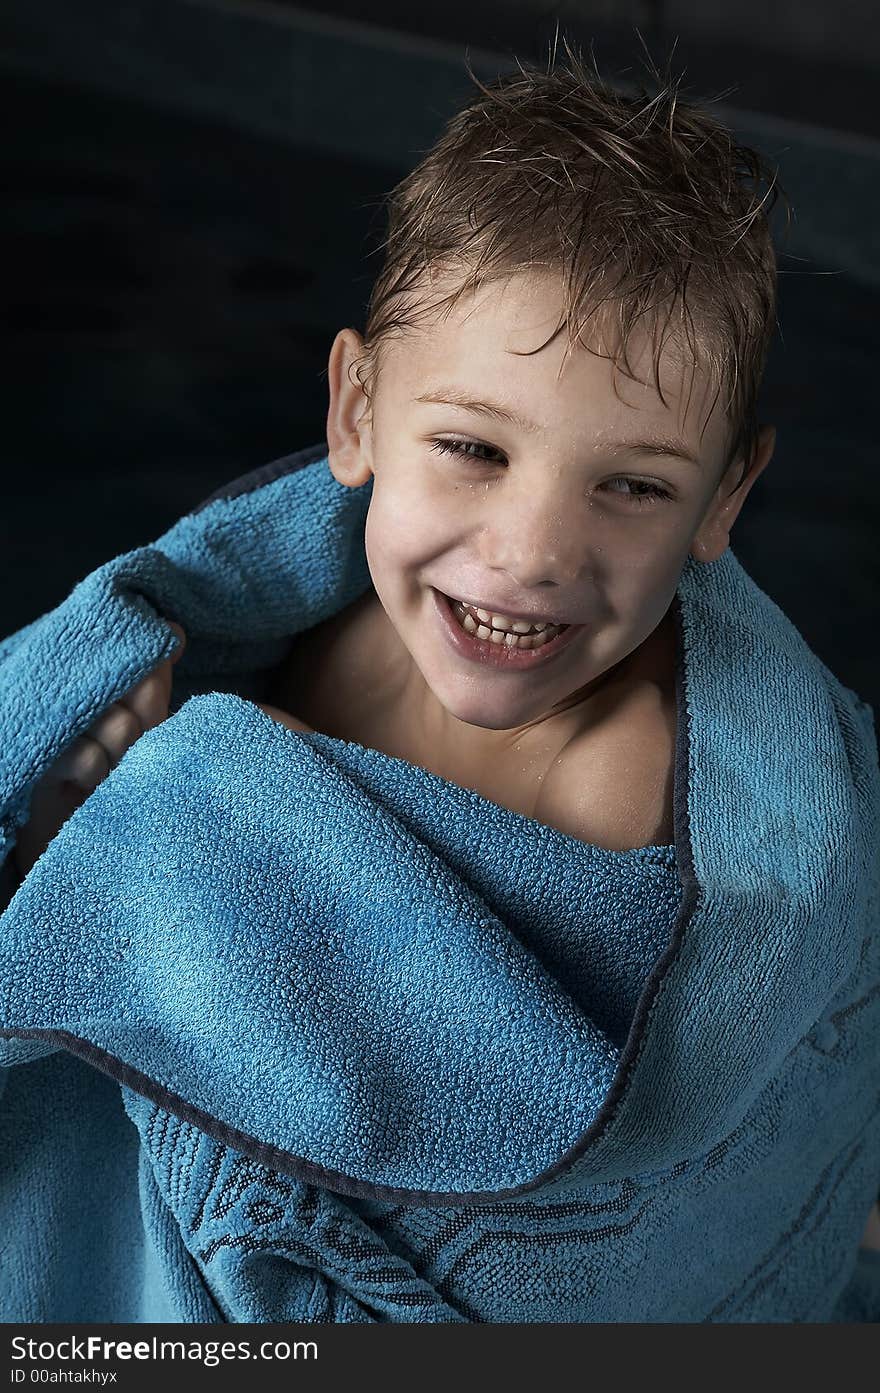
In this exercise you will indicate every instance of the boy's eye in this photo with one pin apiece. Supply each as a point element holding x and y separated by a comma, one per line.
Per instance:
<point>640,490</point>
<point>461,447</point>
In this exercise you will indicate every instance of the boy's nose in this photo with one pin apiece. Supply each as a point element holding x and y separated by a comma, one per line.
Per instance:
<point>535,542</point>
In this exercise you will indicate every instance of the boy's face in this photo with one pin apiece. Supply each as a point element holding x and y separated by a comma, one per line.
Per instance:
<point>539,519</point>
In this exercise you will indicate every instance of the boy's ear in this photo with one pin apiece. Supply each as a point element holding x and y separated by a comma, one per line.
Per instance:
<point>712,537</point>
<point>349,421</point>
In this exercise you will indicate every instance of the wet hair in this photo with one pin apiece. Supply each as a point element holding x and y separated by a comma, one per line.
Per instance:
<point>645,205</point>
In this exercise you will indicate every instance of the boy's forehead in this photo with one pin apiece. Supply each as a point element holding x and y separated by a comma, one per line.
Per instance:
<point>475,351</point>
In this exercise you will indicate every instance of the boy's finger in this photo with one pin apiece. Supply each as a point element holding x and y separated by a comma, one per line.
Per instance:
<point>86,763</point>
<point>178,629</point>
<point>150,698</point>
<point>117,729</point>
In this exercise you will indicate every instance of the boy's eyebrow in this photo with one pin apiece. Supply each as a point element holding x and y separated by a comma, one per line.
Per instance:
<point>451,396</point>
<point>657,445</point>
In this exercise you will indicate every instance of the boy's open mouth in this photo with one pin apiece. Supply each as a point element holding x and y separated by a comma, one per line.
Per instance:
<point>499,640</point>
<point>498,628</point>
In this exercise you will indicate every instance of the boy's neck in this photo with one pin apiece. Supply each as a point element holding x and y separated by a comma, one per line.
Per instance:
<point>401,710</point>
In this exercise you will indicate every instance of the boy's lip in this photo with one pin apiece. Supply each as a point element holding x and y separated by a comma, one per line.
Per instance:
<point>497,655</point>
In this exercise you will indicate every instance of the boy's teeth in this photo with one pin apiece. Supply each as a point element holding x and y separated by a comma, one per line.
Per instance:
<point>507,625</point>
<point>515,634</point>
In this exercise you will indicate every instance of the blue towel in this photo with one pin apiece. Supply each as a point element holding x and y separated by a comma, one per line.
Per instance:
<point>288,1037</point>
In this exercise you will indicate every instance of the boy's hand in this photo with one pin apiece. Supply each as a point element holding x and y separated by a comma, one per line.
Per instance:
<point>88,761</point>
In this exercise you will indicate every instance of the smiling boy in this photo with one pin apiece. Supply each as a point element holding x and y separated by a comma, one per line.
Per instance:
<point>498,485</point>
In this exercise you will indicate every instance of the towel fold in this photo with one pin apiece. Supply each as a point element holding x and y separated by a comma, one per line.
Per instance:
<point>308,958</point>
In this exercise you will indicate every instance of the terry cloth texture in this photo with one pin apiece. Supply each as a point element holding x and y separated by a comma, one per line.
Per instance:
<point>298,1031</point>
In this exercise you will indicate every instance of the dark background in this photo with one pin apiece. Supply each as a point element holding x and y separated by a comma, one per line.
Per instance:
<point>193,207</point>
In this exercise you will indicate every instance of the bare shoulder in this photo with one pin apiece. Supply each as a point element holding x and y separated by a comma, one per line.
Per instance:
<point>321,674</point>
<point>284,717</point>
<point>613,786</point>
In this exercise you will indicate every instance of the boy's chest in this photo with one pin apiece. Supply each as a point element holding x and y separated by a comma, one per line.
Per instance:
<point>611,786</point>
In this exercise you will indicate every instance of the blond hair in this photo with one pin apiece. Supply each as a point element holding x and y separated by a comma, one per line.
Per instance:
<point>639,201</point>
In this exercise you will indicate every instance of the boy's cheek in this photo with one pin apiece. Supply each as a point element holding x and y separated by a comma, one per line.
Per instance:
<point>412,532</point>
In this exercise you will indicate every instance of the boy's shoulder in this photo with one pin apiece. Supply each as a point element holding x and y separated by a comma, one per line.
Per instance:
<point>614,785</point>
